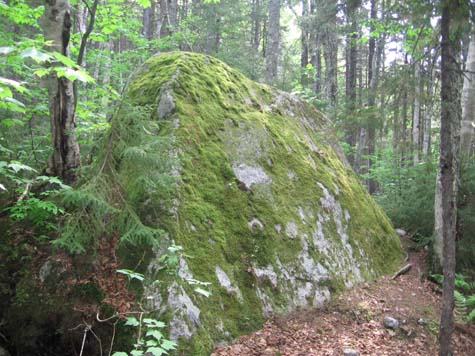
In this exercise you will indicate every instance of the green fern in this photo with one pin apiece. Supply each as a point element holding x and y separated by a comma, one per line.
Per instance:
<point>464,297</point>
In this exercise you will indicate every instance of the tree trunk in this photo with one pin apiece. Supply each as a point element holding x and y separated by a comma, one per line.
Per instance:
<point>467,133</point>
<point>450,121</point>
<point>304,43</point>
<point>416,114</point>
<point>168,17</point>
<point>330,53</point>
<point>273,41</point>
<point>56,24</point>
<point>374,62</point>
<point>351,62</point>
<point>149,21</point>
<point>255,27</point>
<point>426,140</point>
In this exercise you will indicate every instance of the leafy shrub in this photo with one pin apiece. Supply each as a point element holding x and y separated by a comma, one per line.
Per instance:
<point>38,209</point>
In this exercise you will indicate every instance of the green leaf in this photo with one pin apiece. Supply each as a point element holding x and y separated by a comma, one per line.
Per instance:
<point>2,187</point>
<point>53,180</point>
<point>120,354</point>
<point>154,323</point>
<point>15,105</point>
<point>73,74</point>
<point>144,3</point>
<point>13,83</point>
<point>132,321</point>
<point>136,353</point>
<point>157,335</point>
<point>17,166</point>
<point>5,93</point>
<point>149,343</point>
<point>168,345</point>
<point>131,274</point>
<point>36,55</point>
<point>156,351</point>
<point>68,62</point>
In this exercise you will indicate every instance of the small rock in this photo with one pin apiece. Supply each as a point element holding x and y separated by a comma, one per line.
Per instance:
<point>421,322</point>
<point>350,352</point>
<point>401,232</point>
<point>391,323</point>
<point>255,224</point>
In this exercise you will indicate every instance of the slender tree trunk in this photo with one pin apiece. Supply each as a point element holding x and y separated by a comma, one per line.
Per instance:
<point>330,52</point>
<point>450,121</point>
<point>56,24</point>
<point>429,108</point>
<point>168,17</point>
<point>416,114</point>
<point>351,63</point>
<point>397,127</point>
<point>374,62</point>
<point>467,133</point>
<point>149,21</point>
<point>273,41</point>
<point>304,43</point>
<point>256,27</point>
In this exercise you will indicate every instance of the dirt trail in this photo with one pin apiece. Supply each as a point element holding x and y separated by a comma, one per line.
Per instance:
<point>353,322</point>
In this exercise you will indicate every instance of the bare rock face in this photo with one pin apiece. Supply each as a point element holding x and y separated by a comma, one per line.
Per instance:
<point>265,207</point>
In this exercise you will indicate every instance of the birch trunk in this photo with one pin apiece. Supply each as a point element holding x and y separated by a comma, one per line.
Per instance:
<point>467,132</point>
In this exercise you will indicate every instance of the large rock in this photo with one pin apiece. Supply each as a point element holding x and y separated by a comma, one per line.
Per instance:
<point>266,206</point>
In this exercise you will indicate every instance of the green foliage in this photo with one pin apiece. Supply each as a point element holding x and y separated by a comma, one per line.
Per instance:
<point>406,193</point>
<point>133,175</point>
<point>150,339</point>
<point>466,217</point>
<point>38,209</point>
<point>464,295</point>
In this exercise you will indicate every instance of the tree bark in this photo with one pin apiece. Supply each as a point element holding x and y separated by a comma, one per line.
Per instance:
<point>149,21</point>
<point>416,114</point>
<point>429,106</point>
<point>56,24</point>
<point>255,27</point>
<point>467,133</point>
<point>304,43</point>
<point>450,121</point>
<point>351,63</point>
<point>273,41</point>
<point>168,17</point>
<point>330,52</point>
<point>374,62</point>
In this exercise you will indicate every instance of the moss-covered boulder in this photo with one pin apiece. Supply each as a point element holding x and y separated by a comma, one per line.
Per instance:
<point>264,204</point>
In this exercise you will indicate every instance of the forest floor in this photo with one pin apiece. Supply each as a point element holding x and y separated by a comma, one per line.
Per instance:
<point>352,324</point>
